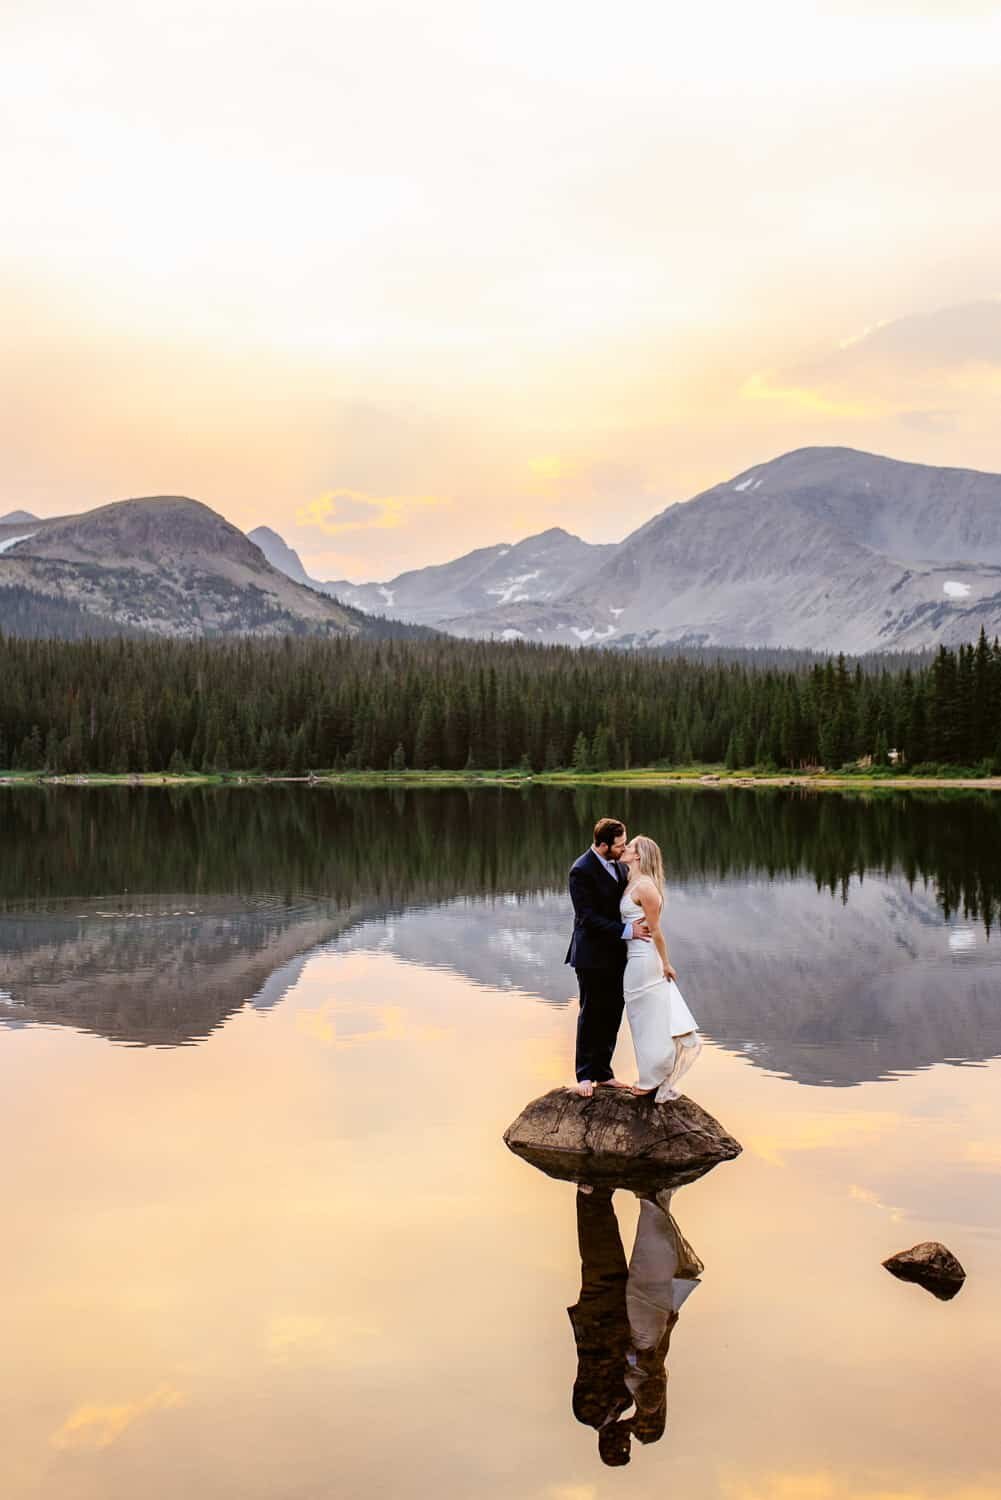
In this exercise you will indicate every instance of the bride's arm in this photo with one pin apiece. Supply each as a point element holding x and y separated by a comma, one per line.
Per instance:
<point>648,898</point>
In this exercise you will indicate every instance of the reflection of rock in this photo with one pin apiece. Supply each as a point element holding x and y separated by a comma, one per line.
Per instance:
<point>932,1266</point>
<point>616,1137</point>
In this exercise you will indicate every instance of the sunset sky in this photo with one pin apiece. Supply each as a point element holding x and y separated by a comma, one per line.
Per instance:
<point>401,279</point>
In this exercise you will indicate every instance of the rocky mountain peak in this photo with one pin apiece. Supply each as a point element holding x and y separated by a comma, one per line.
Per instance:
<point>820,548</point>
<point>153,527</point>
<point>280,555</point>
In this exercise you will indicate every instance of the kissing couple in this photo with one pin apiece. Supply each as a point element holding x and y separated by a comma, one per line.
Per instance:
<point>620,957</point>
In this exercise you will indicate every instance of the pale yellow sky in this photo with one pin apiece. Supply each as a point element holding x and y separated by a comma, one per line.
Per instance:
<point>400,280</point>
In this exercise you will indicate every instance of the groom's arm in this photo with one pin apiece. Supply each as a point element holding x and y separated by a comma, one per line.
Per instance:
<point>582,896</point>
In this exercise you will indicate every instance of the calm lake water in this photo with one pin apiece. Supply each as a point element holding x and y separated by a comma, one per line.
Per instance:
<point>262,1238</point>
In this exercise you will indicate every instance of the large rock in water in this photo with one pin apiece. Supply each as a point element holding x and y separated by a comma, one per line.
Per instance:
<point>932,1266</point>
<point>616,1136</point>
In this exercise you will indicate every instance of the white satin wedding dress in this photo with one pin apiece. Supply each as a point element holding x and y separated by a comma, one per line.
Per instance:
<point>665,1036</point>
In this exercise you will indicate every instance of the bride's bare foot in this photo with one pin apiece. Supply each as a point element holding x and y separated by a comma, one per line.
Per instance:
<point>634,1088</point>
<point>585,1087</point>
<point>612,1083</point>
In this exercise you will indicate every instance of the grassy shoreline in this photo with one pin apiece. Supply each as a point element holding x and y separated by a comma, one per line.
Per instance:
<point>698,776</point>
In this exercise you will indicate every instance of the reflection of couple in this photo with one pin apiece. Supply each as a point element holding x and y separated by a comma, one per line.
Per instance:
<point>620,956</point>
<point>624,1318</point>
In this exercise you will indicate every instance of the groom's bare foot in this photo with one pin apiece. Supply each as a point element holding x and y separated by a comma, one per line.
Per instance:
<point>585,1087</point>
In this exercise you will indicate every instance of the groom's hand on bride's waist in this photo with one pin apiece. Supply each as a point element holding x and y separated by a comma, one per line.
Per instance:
<point>641,930</point>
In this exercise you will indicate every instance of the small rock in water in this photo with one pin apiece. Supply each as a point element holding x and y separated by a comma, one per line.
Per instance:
<point>617,1136</point>
<point>932,1266</point>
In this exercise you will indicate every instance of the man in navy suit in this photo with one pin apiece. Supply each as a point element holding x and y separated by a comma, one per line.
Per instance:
<point>598,951</point>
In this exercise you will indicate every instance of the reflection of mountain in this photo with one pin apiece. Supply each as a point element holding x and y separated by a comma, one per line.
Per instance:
<point>159,970</point>
<point>787,976</point>
<point>774,965</point>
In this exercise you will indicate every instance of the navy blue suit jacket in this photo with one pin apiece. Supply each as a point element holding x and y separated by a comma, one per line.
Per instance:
<point>597,928</point>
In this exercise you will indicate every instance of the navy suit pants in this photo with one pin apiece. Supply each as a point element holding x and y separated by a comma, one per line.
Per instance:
<point>601,1005</point>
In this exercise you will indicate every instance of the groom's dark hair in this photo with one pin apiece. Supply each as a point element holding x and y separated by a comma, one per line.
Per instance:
<point>607,830</point>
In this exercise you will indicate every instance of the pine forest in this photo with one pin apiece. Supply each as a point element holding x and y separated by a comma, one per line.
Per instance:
<point>298,704</point>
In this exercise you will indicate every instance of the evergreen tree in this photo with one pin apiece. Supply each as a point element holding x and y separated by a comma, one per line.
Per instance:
<point>601,759</point>
<point>732,759</point>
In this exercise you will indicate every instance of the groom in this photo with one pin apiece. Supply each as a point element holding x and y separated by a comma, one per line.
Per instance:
<point>598,951</point>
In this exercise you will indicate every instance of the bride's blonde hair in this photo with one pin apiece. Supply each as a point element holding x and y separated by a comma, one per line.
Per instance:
<point>650,860</point>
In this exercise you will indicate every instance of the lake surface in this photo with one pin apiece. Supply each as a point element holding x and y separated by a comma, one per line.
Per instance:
<point>262,1239</point>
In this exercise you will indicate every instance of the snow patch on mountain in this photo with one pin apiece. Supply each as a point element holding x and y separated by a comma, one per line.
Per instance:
<point>514,588</point>
<point>12,541</point>
<point>592,633</point>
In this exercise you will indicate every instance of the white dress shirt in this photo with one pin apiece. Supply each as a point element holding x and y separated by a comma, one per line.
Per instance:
<point>627,930</point>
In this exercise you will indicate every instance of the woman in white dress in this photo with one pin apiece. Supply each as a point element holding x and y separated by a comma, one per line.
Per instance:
<point>665,1037</point>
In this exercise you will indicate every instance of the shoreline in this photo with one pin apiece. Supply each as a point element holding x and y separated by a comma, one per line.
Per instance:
<point>718,779</point>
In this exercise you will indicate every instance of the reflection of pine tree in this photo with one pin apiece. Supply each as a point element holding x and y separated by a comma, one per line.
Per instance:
<point>463,841</point>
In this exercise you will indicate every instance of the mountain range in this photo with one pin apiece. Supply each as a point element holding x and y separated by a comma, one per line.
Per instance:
<point>446,596</point>
<point>162,565</point>
<point>821,548</point>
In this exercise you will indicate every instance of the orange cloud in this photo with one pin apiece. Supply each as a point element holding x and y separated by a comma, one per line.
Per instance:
<point>820,1133</point>
<point>824,1485</point>
<point>866,1195</point>
<point>342,511</point>
<point>549,466</point>
<point>391,1024</point>
<point>759,388</point>
<point>986,1154</point>
<point>93,1427</point>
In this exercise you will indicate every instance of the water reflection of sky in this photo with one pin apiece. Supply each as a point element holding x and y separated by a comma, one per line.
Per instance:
<point>298,1250</point>
<point>278,1250</point>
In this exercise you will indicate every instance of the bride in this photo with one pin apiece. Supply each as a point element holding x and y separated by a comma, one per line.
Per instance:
<point>665,1037</point>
